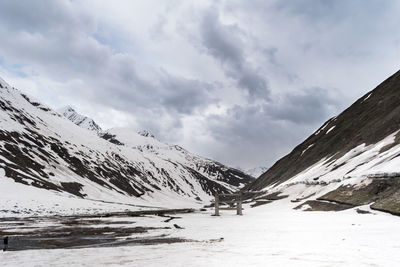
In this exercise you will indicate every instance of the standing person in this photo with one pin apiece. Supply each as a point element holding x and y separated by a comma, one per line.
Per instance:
<point>5,241</point>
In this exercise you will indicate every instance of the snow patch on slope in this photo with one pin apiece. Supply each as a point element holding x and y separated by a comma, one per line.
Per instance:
<point>304,151</point>
<point>368,96</point>
<point>360,162</point>
<point>330,129</point>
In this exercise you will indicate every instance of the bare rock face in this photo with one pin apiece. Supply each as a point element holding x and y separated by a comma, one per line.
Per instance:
<point>145,133</point>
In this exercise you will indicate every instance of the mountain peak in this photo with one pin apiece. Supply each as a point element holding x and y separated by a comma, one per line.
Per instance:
<point>80,120</point>
<point>66,109</point>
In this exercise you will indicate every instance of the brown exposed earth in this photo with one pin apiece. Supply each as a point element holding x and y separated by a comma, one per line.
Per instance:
<point>382,194</point>
<point>317,205</point>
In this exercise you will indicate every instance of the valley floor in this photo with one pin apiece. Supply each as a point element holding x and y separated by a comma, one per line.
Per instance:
<point>269,235</point>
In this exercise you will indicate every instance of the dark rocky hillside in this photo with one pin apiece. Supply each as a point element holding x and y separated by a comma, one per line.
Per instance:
<point>370,119</point>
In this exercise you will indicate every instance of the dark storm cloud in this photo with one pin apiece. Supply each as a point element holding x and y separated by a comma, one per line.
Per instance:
<point>309,106</point>
<point>269,130</point>
<point>185,95</point>
<point>224,43</point>
<point>126,90</point>
<point>255,138</point>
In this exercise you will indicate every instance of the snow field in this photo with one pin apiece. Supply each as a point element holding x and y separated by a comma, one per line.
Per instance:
<point>270,235</point>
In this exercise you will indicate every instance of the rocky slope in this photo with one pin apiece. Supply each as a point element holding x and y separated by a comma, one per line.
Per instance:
<point>40,148</point>
<point>355,154</point>
<point>150,147</point>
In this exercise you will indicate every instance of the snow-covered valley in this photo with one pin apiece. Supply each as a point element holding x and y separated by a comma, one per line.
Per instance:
<point>269,235</point>
<point>86,196</point>
<point>204,133</point>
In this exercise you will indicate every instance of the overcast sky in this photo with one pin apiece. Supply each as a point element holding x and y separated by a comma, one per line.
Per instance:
<point>239,81</point>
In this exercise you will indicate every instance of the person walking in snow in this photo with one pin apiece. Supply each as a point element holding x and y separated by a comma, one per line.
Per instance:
<point>5,243</point>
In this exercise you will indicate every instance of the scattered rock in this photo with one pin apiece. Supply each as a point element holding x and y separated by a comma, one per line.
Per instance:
<point>260,202</point>
<point>360,211</point>
<point>178,227</point>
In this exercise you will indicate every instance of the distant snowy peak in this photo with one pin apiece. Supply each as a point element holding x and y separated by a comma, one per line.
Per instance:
<point>146,133</point>
<point>80,120</point>
<point>257,171</point>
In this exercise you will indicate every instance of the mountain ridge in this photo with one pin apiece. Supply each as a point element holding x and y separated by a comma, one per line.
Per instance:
<point>351,159</point>
<point>146,143</point>
<point>80,120</point>
<point>40,148</point>
<point>355,123</point>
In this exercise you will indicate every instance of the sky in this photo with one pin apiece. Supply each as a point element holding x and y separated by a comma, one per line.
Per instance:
<point>239,81</point>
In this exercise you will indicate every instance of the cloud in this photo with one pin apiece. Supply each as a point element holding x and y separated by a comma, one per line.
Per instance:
<point>157,31</point>
<point>309,106</point>
<point>50,38</point>
<point>264,132</point>
<point>224,43</point>
<point>45,16</point>
<point>242,82</point>
<point>184,95</point>
<point>328,11</point>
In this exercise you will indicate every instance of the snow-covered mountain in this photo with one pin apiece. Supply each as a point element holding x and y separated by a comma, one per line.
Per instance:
<point>353,158</point>
<point>40,148</point>
<point>80,120</point>
<point>150,147</point>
